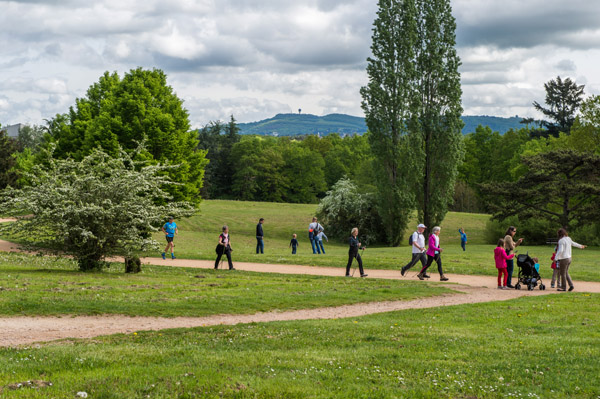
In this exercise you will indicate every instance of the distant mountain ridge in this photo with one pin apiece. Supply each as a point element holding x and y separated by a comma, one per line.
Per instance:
<point>299,124</point>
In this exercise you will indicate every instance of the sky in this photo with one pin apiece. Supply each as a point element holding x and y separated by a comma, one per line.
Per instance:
<point>255,58</point>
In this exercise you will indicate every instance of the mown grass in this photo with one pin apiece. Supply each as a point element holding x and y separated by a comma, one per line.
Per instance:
<point>535,347</point>
<point>198,237</point>
<point>36,285</point>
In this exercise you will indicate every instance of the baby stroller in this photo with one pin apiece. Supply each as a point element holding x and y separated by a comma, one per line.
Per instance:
<point>528,275</point>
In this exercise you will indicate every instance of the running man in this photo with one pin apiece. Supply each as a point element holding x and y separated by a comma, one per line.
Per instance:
<point>170,230</point>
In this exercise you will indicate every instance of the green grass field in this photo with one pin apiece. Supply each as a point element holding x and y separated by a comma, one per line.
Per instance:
<point>198,237</point>
<point>36,285</point>
<point>536,347</point>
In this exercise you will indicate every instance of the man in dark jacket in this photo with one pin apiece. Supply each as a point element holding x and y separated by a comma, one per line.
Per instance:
<point>260,245</point>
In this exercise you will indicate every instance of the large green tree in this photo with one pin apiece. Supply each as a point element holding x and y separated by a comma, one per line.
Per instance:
<point>439,129</point>
<point>413,106</point>
<point>123,112</point>
<point>390,103</point>
<point>563,99</point>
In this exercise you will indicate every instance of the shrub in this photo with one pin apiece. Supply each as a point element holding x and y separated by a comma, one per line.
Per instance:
<point>102,206</point>
<point>344,207</point>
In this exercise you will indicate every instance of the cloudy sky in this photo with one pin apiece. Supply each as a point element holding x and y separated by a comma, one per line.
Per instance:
<point>256,58</point>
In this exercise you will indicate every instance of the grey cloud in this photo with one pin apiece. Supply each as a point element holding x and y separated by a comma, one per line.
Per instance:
<point>566,66</point>
<point>527,24</point>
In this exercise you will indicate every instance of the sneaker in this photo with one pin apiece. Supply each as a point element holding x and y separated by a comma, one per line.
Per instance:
<point>510,286</point>
<point>571,288</point>
<point>420,276</point>
<point>347,275</point>
<point>232,268</point>
<point>364,275</point>
<point>173,256</point>
<point>505,288</point>
<point>402,272</point>
<point>443,278</point>
<point>500,287</point>
<point>164,255</point>
<point>561,289</point>
<point>551,285</point>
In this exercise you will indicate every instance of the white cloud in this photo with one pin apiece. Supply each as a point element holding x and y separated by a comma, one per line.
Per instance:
<point>255,58</point>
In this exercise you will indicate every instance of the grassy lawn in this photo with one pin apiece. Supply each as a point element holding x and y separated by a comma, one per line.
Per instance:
<point>198,237</point>
<point>35,285</point>
<point>536,347</point>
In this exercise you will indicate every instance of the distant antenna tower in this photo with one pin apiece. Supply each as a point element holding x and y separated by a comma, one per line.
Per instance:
<point>299,110</point>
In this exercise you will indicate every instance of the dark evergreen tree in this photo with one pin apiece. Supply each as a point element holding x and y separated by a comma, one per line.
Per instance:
<point>563,98</point>
<point>8,150</point>
<point>562,186</point>
<point>218,140</point>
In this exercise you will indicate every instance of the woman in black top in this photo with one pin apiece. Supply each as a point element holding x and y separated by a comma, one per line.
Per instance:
<point>353,253</point>
<point>224,248</point>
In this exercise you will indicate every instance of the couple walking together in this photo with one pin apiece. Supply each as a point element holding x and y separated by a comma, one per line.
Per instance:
<point>425,255</point>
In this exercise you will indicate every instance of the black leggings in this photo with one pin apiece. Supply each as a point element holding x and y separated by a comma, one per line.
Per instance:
<point>226,252</point>
<point>430,259</point>
<point>351,257</point>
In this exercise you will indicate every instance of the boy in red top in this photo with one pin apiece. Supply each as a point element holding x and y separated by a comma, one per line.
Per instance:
<point>501,257</point>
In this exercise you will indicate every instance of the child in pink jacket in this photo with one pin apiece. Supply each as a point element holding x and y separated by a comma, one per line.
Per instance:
<point>501,257</point>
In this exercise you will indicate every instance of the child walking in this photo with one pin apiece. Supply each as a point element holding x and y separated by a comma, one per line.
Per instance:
<point>319,239</point>
<point>501,257</point>
<point>293,244</point>
<point>555,270</point>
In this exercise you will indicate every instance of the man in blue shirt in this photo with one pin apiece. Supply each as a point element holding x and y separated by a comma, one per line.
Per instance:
<point>170,229</point>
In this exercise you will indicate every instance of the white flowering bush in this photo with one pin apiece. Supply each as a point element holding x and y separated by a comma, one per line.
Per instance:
<point>345,207</point>
<point>102,206</point>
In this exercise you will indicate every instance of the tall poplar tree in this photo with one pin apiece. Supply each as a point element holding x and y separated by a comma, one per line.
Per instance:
<point>390,106</point>
<point>438,134</point>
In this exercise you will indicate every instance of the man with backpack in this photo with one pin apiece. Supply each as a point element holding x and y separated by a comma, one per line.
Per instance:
<point>313,230</point>
<point>417,242</point>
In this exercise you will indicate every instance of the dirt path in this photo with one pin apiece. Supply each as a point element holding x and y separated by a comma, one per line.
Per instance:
<point>472,289</point>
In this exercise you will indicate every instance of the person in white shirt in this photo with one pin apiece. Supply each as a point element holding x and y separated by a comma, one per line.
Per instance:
<point>563,258</point>
<point>418,249</point>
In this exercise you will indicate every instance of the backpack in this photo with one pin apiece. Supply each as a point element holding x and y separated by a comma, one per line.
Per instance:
<point>317,229</point>
<point>410,239</point>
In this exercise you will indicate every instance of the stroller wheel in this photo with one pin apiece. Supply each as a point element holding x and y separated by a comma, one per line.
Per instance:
<point>542,287</point>
<point>518,286</point>
<point>529,287</point>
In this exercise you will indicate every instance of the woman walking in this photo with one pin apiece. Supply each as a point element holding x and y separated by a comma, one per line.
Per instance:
<point>509,246</point>
<point>224,248</point>
<point>353,253</point>
<point>563,257</point>
<point>434,252</point>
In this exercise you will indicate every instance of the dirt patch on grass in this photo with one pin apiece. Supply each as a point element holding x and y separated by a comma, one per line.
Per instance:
<point>27,330</point>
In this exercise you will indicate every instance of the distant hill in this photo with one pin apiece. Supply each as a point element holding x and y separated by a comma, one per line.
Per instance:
<point>298,124</point>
